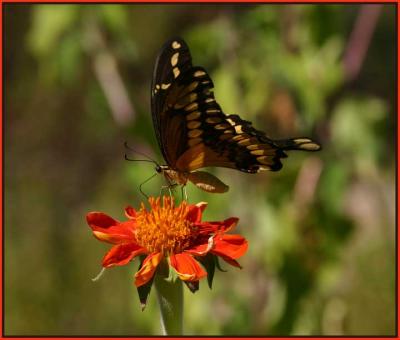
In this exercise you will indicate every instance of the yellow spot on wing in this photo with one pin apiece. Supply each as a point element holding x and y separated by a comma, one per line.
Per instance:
<point>193,124</point>
<point>244,142</point>
<point>238,137</point>
<point>174,59</point>
<point>193,115</point>
<point>175,45</point>
<point>211,111</point>
<point>302,140</point>
<point>310,146</point>
<point>165,86</point>
<point>176,72</point>
<point>195,133</point>
<point>262,152</point>
<point>221,126</point>
<point>238,129</point>
<point>213,120</point>
<point>253,146</point>
<point>264,160</point>
<point>199,73</point>
<point>191,107</point>
<point>261,147</point>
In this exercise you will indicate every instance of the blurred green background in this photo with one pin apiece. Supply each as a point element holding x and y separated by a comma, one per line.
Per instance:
<point>321,231</point>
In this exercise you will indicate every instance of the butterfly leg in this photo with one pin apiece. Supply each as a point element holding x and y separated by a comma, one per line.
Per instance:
<point>142,192</point>
<point>169,186</point>
<point>140,186</point>
<point>164,187</point>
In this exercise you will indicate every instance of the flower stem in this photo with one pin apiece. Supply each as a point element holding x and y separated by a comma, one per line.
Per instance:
<point>170,300</point>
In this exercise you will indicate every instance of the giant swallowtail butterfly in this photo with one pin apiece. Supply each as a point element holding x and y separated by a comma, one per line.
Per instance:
<point>194,133</point>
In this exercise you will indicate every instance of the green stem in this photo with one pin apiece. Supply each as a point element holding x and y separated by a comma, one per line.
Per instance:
<point>170,300</point>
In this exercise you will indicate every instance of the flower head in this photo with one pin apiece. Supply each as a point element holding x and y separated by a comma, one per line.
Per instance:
<point>169,233</point>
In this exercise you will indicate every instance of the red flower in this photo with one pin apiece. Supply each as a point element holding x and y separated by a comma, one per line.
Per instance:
<point>175,233</point>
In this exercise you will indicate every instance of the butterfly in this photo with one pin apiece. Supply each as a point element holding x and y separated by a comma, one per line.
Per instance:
<point>193,132</point>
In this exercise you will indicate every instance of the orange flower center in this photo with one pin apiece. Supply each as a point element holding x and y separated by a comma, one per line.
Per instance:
<point>164,228</point>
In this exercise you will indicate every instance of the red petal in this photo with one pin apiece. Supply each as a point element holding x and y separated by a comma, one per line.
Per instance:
<point>194,213</point>
<point>232,262</point>
<point>218,226</point>
<point>121,254</point>
<point>106,229</point>
<point>230,223</point>
<point>187,268</point>
<point>202,206</point>
<point>201,249</point>
<point>149,266</point>
<point>230,246</point>
<point>130,212</point>
<point>100,220</point>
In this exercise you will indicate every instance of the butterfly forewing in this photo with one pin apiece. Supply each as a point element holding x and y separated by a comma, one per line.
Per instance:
<point>172,63</point>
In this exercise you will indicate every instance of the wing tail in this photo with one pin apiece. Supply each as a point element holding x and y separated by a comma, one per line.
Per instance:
<point>303,143</point>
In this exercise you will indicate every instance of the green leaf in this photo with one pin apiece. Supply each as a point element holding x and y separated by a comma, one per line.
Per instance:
<point>115,17</point>
<point>193,286</point>
<point>144,291</point>
<point>49,23</point>
<point>208,262</point>
<point>217,264</point>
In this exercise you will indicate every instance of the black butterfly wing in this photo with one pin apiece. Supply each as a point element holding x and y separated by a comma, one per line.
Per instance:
<point>191,128</point>
<point>172,63</point>
<point>231,142</point>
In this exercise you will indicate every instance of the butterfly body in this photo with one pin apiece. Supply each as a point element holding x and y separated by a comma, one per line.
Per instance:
<point>193,132</point>
<point>201,179</point>
<point>173,176</point>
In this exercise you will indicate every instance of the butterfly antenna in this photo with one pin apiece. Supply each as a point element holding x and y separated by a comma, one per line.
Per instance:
<point>140,186</point>
<point>138,160</point>
<point>149,159</point>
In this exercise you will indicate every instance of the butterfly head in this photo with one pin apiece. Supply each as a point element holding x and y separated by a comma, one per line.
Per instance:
<point>161,168</point>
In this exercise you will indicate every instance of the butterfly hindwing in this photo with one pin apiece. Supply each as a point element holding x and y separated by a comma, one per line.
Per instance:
<point>228,141</point>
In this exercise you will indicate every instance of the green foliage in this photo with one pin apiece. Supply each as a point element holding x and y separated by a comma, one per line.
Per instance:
<point>356,138</point>
<point>321,258</point>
